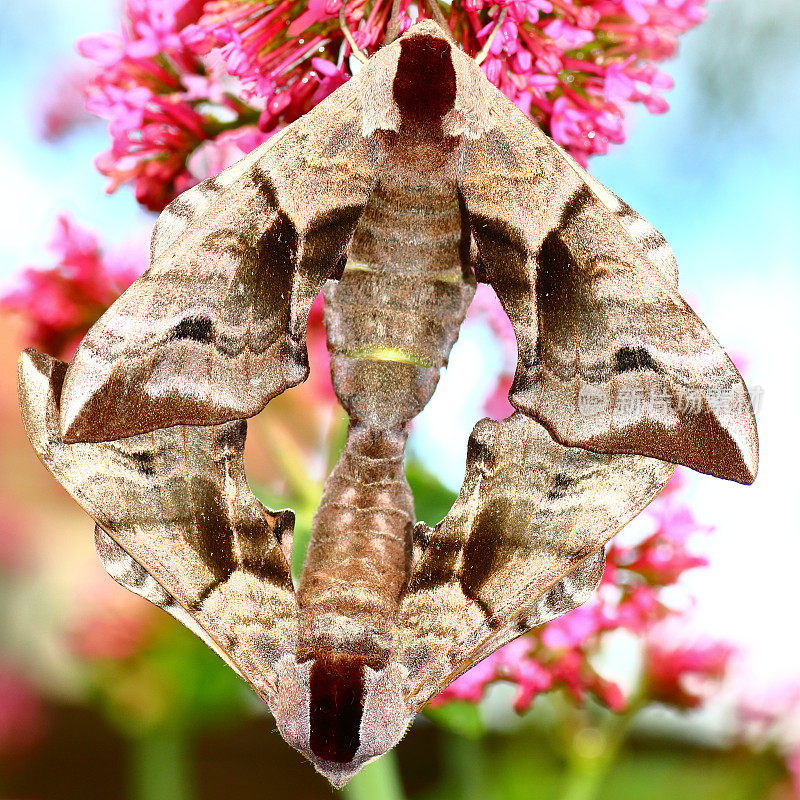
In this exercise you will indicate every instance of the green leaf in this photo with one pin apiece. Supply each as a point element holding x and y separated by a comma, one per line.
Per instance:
<point>459,717</point>
<point>432,499</point>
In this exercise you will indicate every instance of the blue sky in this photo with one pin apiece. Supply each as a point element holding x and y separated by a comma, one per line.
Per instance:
<point>719,175</point>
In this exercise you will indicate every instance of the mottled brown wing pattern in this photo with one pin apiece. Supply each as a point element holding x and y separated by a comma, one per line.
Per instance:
<point>610,356</point>
<point>178,504</point>
<point>522,544</point>
<point>216,327</point>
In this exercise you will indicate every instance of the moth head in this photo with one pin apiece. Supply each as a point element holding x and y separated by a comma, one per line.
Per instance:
<point>340,712</point>
<point>423,81</point>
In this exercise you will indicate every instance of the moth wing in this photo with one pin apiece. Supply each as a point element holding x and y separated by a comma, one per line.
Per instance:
<point>611,358</point>
<point>177,507</point>
<point>522,544</point>
<point>216,327</point>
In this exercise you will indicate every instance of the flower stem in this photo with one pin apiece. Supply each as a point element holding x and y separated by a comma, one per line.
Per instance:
<point>379,780</point>
<point>465,761</point>
<point>159,766</point>
<point>593,751</point>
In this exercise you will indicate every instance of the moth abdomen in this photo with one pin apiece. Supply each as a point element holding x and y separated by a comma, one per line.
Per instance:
<point>359,557</point>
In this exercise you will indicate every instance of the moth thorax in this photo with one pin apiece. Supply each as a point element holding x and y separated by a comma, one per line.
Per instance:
<point>341,711</point>
<point>336,706</point>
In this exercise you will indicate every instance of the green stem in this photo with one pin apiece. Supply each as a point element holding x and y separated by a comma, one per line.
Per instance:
<point>379,780</point>
<point>590,764</point>
<point>284,451</point>
<point>160,766</point>
<point>465,761</point>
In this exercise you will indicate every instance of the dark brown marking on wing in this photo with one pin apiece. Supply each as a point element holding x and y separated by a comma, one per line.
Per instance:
<point>259,557</point>
<point>285,524</point>
<point>556,598</point>
<point>633,359</point>
<point>561,290</point>
<point>501,247</point>
<point>561,484</point>
<point>214,535</point>
<point>277,247</point>
<point>486,551</point>
<point>182,209</point>
<point>336,707</point>
<point>502,151</point>
<point>329,233</point>
<point>425,82</point>
<point>440,563</point>
<point>338,270</point>
<point>144,461</point>
<point>575,205</point>
<point>198,329</point>
<point>210,187</point>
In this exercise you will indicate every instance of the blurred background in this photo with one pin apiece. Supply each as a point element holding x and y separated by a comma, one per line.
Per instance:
<point>685,682</point>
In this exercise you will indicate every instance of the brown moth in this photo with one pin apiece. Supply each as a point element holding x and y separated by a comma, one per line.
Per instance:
<point>395,194</point>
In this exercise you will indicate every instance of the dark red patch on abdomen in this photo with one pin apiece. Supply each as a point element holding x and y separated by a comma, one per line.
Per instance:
<point>425,82</point>
<point>337,704</point>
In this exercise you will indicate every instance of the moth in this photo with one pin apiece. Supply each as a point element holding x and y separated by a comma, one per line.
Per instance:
<point>397,193</point>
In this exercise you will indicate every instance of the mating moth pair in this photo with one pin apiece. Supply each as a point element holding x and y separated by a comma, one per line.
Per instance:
<point>397,193</point>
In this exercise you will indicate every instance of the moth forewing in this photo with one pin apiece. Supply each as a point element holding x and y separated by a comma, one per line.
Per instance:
<point>610,356</point>
<point>183,524</point>
<point>216,327</point>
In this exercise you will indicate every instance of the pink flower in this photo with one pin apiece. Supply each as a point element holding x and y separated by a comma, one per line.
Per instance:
<point>510,663</point>
<point>496,405</point>
<point>215,155</point>
<point>162,99</point>
<point>566,36</point>
<point>682,674</point>
<point>60,107</point>
<point>318,356</point>
<point>178,74</point>
<point>576,628</point>
<point>62,302</point>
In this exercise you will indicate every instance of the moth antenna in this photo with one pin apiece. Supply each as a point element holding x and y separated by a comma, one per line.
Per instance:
<point>393,29</point>
<point>481,57</point>
<point>436,11</point>
<point>357,51</point>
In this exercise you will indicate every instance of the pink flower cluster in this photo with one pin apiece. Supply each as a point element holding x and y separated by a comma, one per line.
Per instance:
<point>182,74</point>
<point>60,303</point>
<point>574,66</point>
<point>562,653</point>
<point>114,624</point>
<point>161,100</point>
<point>769,717</point>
